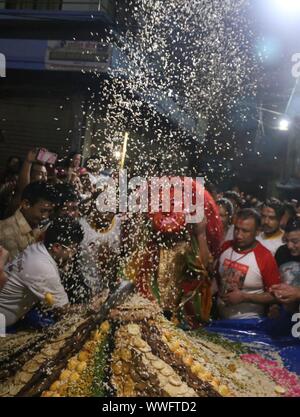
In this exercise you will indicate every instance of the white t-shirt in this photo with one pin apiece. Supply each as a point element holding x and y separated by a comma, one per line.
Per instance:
<point>271,243</point>
<point>91,245</point>
<point>111,238</point>
<point>31,275</point>
<point>253,271</point>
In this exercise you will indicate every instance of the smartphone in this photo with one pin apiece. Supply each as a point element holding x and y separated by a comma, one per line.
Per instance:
<point>46,157</point>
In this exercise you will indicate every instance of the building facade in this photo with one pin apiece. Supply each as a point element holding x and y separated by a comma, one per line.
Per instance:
<point>64,71</point>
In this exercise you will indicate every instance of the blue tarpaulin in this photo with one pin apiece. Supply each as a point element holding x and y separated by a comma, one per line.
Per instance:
<point>34,319</point>
<point>264,336</point>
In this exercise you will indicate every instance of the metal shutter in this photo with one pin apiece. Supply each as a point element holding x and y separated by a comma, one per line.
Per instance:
<point>27,122</point>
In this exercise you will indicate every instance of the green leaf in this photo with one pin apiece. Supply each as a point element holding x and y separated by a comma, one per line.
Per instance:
<point>195,247</point>
<point>155,289</point>
<point>100,369</point>
<point>197,305</point>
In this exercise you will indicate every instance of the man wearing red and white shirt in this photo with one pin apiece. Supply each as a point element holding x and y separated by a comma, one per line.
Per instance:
<point>247,270</point>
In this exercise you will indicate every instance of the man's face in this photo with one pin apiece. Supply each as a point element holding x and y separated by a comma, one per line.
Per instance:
<point>101,220</point>
<point>293,242</point>
<point>37,212</point>
<point>245,232</point>
<point>270,223</point>
<point>38,173</point>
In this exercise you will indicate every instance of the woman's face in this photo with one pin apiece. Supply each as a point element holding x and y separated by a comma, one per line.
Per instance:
<point>76,161</point>
<point>224,217</point>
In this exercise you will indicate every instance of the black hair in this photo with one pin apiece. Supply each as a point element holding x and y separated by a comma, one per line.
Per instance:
<point>276,205</point>
<point>38,163</point>
<point>233,195</point>
<point>70,157</point>
<point>39,190</point>
<point>10,172</point>
<point>258,206</point>
<point>65,192</point>
<point>65,231</point>
<point>225,202</point>
<point>290,209</point>
<point>249,213</point>
<point>292,225</point>
<point>252,202</point>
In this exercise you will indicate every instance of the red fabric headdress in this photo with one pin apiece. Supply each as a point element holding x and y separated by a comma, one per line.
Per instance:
<point>175,222</point>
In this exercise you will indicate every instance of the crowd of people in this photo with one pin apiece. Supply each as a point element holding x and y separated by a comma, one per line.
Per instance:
<point>258,270</point>
<point>53,243</point>
<point>57,250</point>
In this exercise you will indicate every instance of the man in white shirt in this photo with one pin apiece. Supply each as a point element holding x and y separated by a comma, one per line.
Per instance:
<point>247,270</point>
<point>100,248</point>
<point>85,277</point>
<point>34,275</point>
<point>271,215</point>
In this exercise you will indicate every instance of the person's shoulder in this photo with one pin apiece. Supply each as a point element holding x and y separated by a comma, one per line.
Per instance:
<point>36,256</point>
<point>8,221</point>
<point>226,245</point>
<point>262,251</point>
<point>282,250</point>
<point>8,229</point>
<point>16,221</point>
<point>282,253</point>
<point>259,237</point>
<point>37,250</point>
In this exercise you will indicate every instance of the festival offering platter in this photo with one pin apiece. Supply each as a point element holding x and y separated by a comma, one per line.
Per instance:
<point>30,360</point>
<point>137,352</point>
<point>24,368</point>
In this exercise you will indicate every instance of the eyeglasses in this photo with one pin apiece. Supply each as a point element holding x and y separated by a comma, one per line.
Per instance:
<point>70,248</point>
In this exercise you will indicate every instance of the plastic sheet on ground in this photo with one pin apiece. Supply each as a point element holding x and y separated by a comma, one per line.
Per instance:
<point>264,336</point>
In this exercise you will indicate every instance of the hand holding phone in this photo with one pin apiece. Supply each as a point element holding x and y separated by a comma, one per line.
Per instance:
<point>46,157</point>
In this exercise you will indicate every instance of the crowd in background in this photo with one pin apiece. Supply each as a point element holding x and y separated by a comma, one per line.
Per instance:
<point>49,226</point>
<point>54,244</point>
